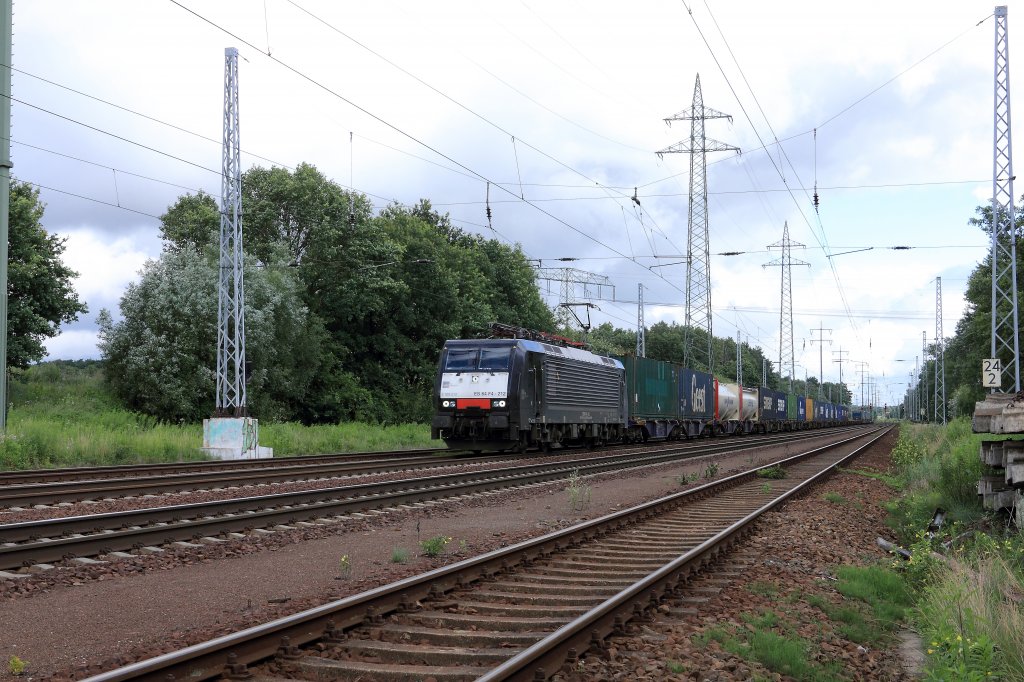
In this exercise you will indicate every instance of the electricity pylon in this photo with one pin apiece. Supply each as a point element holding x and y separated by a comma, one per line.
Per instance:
<point>698,258</point>
<point>786,262</point>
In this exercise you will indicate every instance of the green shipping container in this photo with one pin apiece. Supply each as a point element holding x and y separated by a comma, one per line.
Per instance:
<point>791,407</point>
<point>652,389</point>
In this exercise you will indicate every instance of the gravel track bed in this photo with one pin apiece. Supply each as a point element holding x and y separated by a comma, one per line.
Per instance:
<point>74,621</point>
<point>792,554</point>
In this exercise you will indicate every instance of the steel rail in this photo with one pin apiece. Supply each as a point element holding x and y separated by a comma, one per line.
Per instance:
<point>229,655</point>
<point>550,654</point>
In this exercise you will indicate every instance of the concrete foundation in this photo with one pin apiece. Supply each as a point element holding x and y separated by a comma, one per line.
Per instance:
<point>233,438</point>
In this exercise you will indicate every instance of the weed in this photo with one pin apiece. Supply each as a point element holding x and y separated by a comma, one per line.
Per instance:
<point>345,566</point>
<point>834,498</point>
<point>16,666</point>
<point>463,546</point>
<point>711,471</point>
<point>766,488</point>
<point>674,667</point>
<point>399,555</point>
<point>686,479</point>
<point>435,545</point>
<point>774,471</point>
<point>764,589</point>
<point>579,492</point>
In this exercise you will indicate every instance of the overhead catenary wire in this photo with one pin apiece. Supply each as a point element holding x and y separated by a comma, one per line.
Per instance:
<point>410,136</point>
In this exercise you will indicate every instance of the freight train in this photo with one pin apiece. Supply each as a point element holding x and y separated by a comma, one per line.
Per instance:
<point>538,392</point>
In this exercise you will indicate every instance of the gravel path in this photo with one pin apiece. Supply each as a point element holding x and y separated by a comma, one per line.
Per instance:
<point>69,622</point>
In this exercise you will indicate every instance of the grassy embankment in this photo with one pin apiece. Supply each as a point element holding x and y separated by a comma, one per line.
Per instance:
<point>62,415</point>
<point>968,577</point>
<point>963,589</point>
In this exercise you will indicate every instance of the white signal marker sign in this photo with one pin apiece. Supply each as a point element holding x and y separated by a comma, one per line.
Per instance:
<point>991,373</point>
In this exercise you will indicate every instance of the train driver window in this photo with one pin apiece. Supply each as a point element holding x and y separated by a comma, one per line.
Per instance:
<point>462,359</point>
<point>495,359</point>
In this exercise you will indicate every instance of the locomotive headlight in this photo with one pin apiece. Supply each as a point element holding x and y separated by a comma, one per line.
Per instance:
<point>499,403</point>
<point>447,403</point>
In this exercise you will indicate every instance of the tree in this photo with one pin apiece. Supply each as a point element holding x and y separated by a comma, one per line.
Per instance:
<point>193,223</point>
<point>161,357</point>
<point>40,294</point>
<point>382,294</point>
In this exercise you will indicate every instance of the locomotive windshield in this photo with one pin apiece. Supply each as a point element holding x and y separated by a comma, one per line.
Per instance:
<point>462,359</point>
<point>495,358</point>
<point>472,359</point>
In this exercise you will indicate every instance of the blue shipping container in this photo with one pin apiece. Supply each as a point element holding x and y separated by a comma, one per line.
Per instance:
<point>696,394</point>
<point>771,404</point>
<point>801,408</point>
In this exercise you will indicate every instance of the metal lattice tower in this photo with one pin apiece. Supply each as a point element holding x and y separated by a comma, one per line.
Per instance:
<point>641,341</point>
<point>940,357</point>
<point>924,376</point>
<point>570,280</point>
<point>1005,337</point>
<point>231,295</point>
<point>785,261</point>
<point>739,359</point>
<point>698,258</point>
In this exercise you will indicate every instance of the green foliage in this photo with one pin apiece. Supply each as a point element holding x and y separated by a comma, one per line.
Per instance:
<point>40,296</point>
<point>675,667</point>
<point>399,555</point>
<point>686,479</point>
<point>711,470</point>
<point>907,453</point>
<point>161,358</point>
<point>16,666</point>
<point>774,471</point>
<point>882,589</point>
<point>63,414</point>
<point>780,654</point>
<point>433,547</point>
<point>766,488</point>
<point>346,313</point>
<point>764,589</point>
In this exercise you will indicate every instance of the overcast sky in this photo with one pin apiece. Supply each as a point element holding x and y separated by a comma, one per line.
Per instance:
<point>559,105</point>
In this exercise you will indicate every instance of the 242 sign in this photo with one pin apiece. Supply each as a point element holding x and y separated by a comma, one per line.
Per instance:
<point>991,373</point>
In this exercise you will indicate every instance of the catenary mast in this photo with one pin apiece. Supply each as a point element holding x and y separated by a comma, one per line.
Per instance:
<point>698,257</point>
<point>1005,336</point>
<point>231,300</point>
<point>787,356</point>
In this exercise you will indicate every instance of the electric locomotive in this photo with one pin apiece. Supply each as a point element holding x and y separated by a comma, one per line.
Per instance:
<point>511,394</point>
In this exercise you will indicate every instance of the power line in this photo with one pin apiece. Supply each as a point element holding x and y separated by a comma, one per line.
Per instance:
<point>411,137</point>
<point>138,113</point>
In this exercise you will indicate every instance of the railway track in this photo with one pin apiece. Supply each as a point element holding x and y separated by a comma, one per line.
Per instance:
<point>519,613</point>
<point>72,486</point>
<point>57,492</point>
<point>146,530</point>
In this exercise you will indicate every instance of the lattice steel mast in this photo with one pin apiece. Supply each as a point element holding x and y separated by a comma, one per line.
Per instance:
<point>739,359</point>
<point>231,298</point>
<point>569,279</point>
<point>787,353</point>
<point>641,341</point>
<point>924,376</point>
<point>1005,338</point>
<point>940,357</point>
<point>698,258</point>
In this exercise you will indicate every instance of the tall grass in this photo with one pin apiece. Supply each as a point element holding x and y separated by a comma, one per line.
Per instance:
<point>61,414</point>
<point>970,605</point>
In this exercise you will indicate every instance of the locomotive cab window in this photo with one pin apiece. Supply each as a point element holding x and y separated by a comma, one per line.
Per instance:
<point>462,360</point>
<point>495,359</point>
